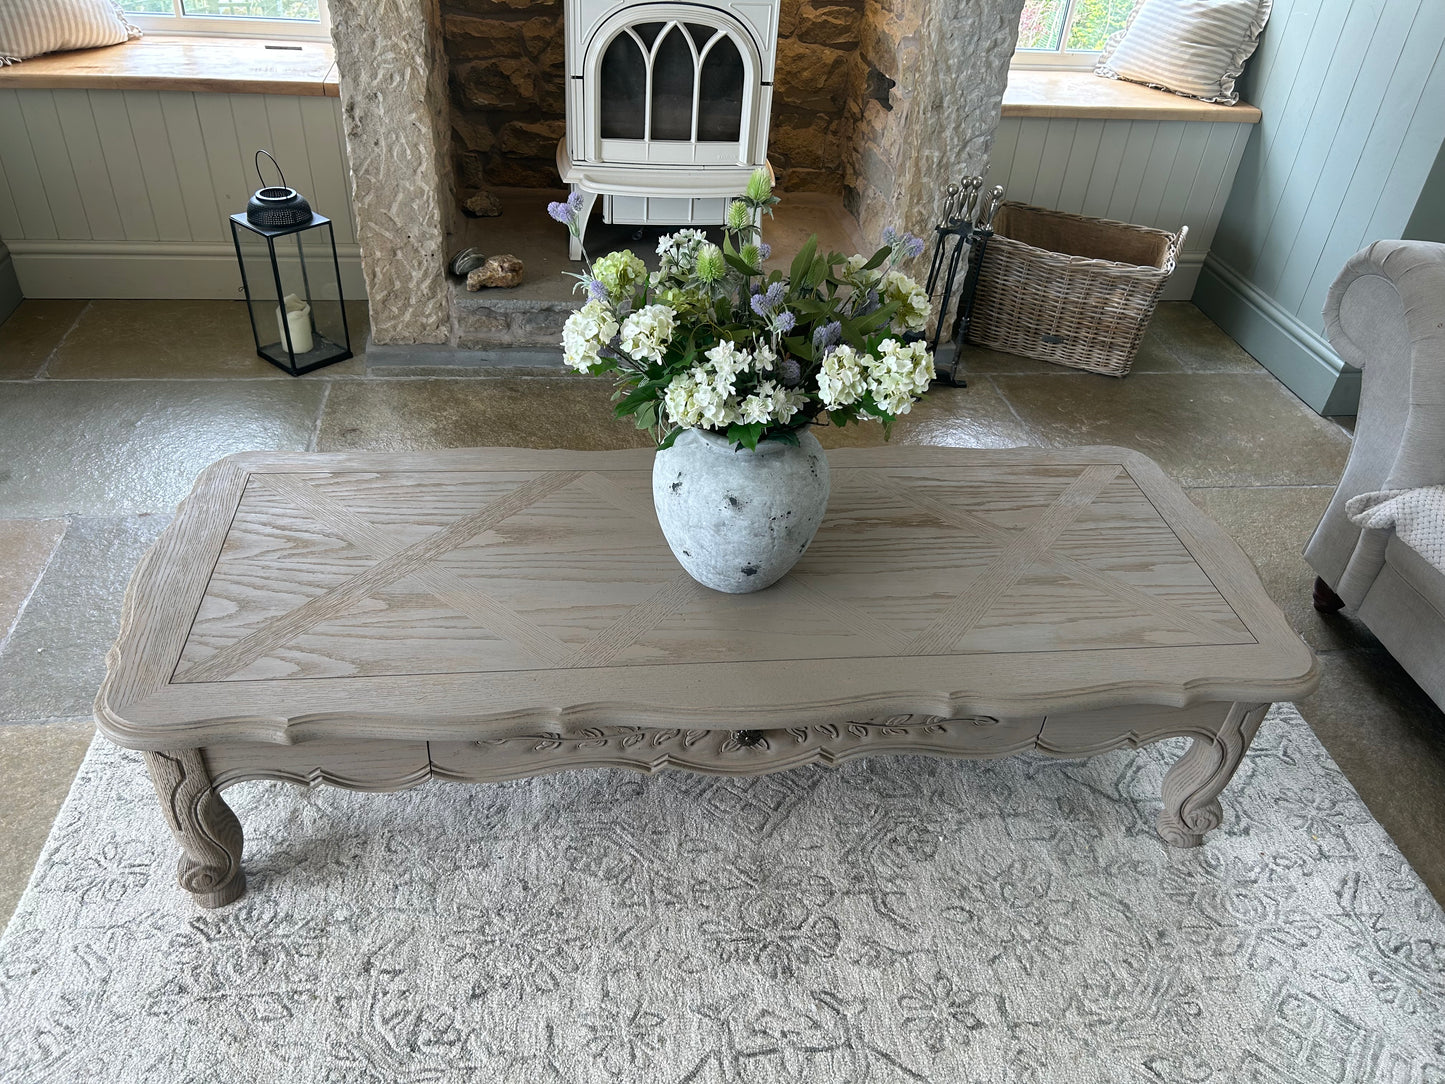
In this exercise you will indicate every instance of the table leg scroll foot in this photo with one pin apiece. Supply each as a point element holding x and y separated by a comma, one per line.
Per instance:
<point>1193,785</point>
<point>208,832</point>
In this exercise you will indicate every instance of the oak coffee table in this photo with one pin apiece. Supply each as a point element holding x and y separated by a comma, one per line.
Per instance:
<point>375,621</point>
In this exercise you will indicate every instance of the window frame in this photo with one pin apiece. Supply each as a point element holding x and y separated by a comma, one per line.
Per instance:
<point>1060,59</point>
<point>219,26</point>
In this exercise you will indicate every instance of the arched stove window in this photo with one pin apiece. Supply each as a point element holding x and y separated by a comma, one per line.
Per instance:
<point>695,77</point>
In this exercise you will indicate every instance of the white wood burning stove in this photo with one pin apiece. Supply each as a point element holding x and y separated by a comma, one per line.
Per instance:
<point>668,106</point>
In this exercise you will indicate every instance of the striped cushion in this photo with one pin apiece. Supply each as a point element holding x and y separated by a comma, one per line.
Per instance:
<point>31,27</point>
<point>1196,48</point>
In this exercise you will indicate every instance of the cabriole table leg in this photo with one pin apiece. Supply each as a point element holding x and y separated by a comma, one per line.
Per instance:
<point>208,832</point>
<point>1193,785</point>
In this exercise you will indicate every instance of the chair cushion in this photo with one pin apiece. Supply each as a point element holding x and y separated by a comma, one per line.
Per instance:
<point>32,27</point>
<point>1196,48</point>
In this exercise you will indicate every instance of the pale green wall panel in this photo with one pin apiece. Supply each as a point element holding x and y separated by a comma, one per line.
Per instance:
<point>1352,93</point>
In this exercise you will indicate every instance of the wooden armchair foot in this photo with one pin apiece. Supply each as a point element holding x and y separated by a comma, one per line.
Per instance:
<point>1325,599</point>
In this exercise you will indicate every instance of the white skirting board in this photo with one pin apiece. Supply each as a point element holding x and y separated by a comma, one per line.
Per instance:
<point>132,269</point>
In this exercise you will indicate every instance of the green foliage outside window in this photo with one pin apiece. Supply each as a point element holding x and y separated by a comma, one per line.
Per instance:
<point>1043,21</point>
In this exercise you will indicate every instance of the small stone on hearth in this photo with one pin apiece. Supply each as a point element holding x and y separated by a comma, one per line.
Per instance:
<point>504,270</point>
<point>482,205</point>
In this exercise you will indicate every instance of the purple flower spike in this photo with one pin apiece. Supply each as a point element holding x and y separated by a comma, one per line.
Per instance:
<point>596,291</point>
<point>776,292</point>
<point>827,336</point>
<point>890,236</point>
<point>562,212</point>
<point>765,249</point>
<point>759,304</point>
<point>786,322</point>
<point>574,203</point>
<point>912,246</point>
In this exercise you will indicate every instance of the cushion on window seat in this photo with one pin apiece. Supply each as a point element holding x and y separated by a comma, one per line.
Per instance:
<point>1196,48</point>
<point>32,27</point>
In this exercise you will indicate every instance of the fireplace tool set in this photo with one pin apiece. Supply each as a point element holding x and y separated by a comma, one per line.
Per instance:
<point>966,223</point>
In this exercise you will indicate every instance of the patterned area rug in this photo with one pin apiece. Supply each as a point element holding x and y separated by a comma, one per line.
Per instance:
<point>1003,922</point>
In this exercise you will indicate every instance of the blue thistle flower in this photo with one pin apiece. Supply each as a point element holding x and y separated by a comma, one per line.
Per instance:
<point>765,249</point>
<point>790,372</point>
<point>776,292</point>
<point>912,246</point>
<point>596,291</point>
<point>890,236</point>
<point>760,304</point>
<point>785,322</point>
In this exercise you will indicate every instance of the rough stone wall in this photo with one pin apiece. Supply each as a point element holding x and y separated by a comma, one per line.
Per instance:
<point>507,72</point>
<point>393,96</point>
<point>949,59</point>
<point>507,89</point>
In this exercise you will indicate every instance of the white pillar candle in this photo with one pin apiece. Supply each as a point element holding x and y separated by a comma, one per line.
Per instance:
<point>298,318</point>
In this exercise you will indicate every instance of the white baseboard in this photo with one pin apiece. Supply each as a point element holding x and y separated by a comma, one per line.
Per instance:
<point>1294,352</point>
<point>146,269</point>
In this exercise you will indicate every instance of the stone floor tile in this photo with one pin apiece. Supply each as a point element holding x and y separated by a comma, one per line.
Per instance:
<point>1272,525</point>
<point>975,416</point>
<point>1389,737</point>
<point>175,339</point>
<point>106,448</point>
<point>31,334</point>
<point>1197,342</point>
<point>518,412</point>
<point>1151,358</point>
<point>38,764</point>
<point>53,662</point>
<point>25,549</point>
<point>1220,429</point>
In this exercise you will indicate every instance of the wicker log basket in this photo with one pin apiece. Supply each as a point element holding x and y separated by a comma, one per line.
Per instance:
<point>1070,289</point>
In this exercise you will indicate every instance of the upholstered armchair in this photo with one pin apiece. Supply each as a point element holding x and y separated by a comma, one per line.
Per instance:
<point>1386,315</point>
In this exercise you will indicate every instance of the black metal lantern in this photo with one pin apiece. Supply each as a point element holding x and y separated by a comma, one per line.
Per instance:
<point>292,278</point>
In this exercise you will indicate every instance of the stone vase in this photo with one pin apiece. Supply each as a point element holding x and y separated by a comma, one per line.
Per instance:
<point>737,520</point>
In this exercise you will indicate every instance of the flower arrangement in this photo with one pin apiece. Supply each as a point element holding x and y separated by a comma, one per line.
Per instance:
<point>709,341</point>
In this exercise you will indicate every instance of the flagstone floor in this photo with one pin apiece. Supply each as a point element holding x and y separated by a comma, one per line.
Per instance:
<point>109,408</point>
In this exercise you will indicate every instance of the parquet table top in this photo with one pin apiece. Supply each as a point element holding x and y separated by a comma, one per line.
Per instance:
<point>454,595</point>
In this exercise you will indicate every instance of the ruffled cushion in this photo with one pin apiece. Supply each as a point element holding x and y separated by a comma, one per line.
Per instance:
<point>32,27</point>
<point>1196,48</point>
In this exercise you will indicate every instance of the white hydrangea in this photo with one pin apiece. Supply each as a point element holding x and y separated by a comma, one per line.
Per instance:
<point>586,332</point>
<point>912,300</point>
<point>841,380</point>
<point>899,374</point>
<point>700,398</point>
<point>728,361</point>
<point>646,332</point>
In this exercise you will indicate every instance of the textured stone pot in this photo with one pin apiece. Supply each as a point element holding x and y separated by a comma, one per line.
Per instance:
<point>738,520</point>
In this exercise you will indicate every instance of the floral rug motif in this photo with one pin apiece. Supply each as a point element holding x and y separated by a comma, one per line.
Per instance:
<point>895,920</point>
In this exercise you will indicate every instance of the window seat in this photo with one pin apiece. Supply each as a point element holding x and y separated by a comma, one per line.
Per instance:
<point>185,63</point>
<point>1085,96</point>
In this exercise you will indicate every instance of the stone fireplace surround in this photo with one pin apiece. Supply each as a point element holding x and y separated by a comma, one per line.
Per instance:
<point>879,101</point>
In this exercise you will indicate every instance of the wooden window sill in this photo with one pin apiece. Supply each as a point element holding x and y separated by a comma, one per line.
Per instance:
<point>176,62</point>
<point>1084,95</point>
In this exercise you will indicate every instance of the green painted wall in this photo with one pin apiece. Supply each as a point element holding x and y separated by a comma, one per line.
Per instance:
<point>1351,93</point>
<point>1428,221</point>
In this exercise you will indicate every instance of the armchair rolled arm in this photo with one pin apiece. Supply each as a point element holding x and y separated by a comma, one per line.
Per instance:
<point>1385,314</point>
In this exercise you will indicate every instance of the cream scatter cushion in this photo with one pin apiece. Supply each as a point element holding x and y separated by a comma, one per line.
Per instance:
<point>31,27</point>
<point>1196,48</point>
